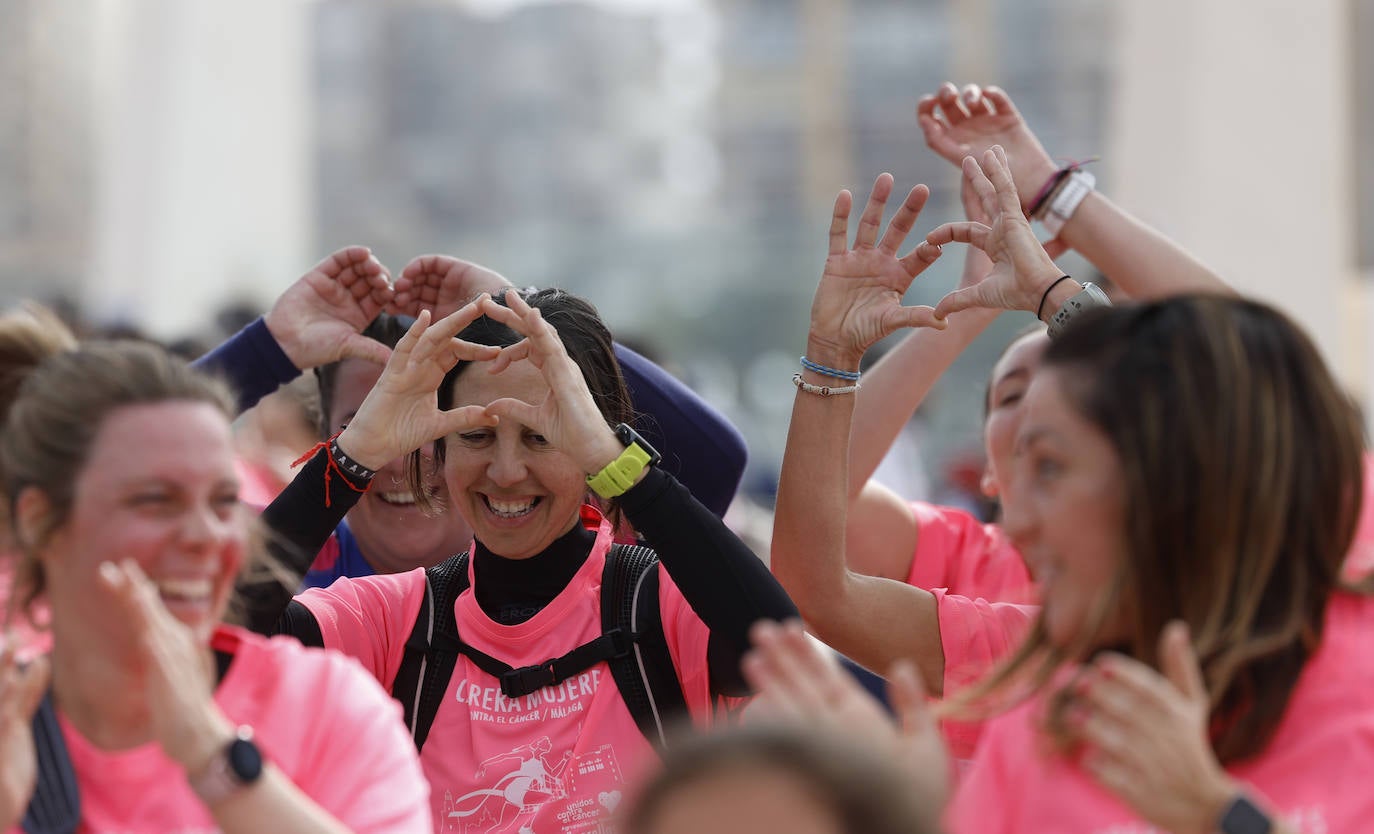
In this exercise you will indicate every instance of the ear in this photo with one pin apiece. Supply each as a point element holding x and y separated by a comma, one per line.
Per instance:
<point>32,519</point>
<point>988,484</point>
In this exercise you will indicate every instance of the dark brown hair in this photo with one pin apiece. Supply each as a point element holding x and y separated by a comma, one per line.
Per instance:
<point>1242,464</point>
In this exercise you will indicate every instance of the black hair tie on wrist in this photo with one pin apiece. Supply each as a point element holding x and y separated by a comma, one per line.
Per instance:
<point>1040,311</point>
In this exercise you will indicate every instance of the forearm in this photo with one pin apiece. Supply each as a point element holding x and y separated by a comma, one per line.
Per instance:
<point>723,581</point>
<point>252,362</point>
<point>700,447</point>
<point>271,805</point>
<point>897,385</point>
<point>298,523</point>
<point>1145,264</point>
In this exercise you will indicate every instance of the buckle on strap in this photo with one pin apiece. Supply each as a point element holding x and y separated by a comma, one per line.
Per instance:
<point>527,679</point>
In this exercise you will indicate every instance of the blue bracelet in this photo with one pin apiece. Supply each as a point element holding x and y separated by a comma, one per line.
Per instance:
<point>852,376</point>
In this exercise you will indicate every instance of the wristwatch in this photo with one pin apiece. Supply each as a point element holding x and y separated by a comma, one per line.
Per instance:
<point>620,474</point>
<point>1089,298</point>
<point>1244,817</point>
<point>235,767</point>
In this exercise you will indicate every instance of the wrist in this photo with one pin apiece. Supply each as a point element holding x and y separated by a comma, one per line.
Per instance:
<point>282,334</point>
<point>1036,177</point>
<point>198,745</point>
<point>1055,294</point>
<point>830,354</point>
<point>1213,800</point>
<point>356,444</point>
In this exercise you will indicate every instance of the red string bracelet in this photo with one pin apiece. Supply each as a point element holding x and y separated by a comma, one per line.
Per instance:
<point>336,460</point>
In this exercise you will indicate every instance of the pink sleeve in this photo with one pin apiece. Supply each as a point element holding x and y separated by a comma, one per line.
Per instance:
<point>687,638</point>
<point>369,618</point>
<point>975,635</point>
<point>363,767</point>
<point>958,552</point>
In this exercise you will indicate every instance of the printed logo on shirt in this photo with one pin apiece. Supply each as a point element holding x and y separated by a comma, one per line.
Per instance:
<point>486,703</point>
<point>588,786</point>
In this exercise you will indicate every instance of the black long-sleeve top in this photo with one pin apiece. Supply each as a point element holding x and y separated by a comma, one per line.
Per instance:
<point>725,584</point>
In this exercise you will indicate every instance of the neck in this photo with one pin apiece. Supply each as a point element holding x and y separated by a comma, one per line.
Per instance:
<point>100,695</point>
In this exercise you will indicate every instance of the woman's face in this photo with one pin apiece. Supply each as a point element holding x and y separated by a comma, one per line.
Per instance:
<point>158,487</point>
<point>393,532</point>
<point>1011,376</point>
<point>1067,510</point>
<point>517,491</point>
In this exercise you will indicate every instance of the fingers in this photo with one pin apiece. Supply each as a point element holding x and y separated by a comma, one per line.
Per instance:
<point>465,418</point>
<point>1000,101</point>
<point>438,342</point>
<point>839,223</point>
<point>920,258</point>
<point>356,269</point>
<point>957,300</point>
<point>509,408</point>
<point>982,186</point>
<point>358,346</point>
<point>972,98</point>
<point>790,673</point>
<point>513,353</point>
<point>908,698</point>
<point>1179,662</point>
<point>950,105</point>
<point>917,317</point>
<point>872,218</point>
<point>996,168</point>
<point>936,131</point>
<point>904,219</point>
<point>965,231</point>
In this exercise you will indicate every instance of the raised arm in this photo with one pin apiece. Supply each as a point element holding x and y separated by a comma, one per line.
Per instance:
<point>1141,261</point>
<point>319,319</point>
<point>872,620</point>
<point>700,447</point>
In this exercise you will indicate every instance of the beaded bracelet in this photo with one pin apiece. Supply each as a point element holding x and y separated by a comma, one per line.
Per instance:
<point>816,367</point>
<point>822,390</point>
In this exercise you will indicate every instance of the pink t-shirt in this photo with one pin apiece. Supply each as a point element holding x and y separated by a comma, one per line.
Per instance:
<point>556,761</point>
<point>959,553</point>
<point>1315,771</point>
<point>349,751</point>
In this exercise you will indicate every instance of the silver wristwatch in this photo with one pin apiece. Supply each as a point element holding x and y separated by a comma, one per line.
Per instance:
<point>1089,298</point>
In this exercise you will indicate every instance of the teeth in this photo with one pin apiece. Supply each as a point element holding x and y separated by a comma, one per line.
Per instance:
<point>185,589</point>
<point>511,509</point>
<point>397,497</point>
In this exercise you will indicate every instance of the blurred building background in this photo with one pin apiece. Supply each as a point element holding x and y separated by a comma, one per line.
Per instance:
<point>674,160</point>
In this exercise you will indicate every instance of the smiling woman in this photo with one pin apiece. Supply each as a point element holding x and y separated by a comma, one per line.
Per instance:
<point>119,476</point>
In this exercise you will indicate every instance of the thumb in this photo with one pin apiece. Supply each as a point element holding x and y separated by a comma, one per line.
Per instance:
<point>921,316</point>
<point>957,300</point>
<point>1179,662</point>
<point>513,409</point>
<point>465,417</point>
<point>358,346</point>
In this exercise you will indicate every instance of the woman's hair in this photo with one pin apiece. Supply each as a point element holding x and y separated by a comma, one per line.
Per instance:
<point>56,397</point>
<point>1241,458</point>
<point>865,793</point>
<point>588,343</point>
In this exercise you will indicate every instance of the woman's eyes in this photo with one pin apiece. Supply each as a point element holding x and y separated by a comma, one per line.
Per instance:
<point>536,439</point>
<point>1045,468</point>
<point>1010,398</point>
<point>475,438</point>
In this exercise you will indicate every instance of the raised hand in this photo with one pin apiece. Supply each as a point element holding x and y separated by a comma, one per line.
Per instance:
<point>402,412</point>
<point>21,690</point>
<point>442,284</point>
<point>959,124</point>
<point>1022,269</point>
<point>1146,740</point>
<point>799,682</point>
<point>859,299</point>
<point>568,417</point>
<point>178,670</point>
<point>320,318</point>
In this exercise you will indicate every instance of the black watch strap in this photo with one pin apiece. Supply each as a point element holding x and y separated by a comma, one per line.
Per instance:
<point>1244,817</point>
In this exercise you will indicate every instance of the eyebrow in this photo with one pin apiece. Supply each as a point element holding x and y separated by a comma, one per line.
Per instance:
<point>1032,435</point>
<point>1014,373</point>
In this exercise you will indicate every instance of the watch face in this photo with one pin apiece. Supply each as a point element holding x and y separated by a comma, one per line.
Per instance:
<point>245,761</point>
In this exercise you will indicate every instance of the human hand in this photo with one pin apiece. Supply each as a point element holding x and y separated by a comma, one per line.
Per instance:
<point>177,668</point>
<point>1146,740</point>
<point>859,298</point>
<point>1022,268</point>
<point>320,318</point>
<point>401,413</point>
<point>21,690</point>
<point>568,417</point>
<point>442,284</point>
<point>799,681</point>
<point>959,124</point>
<point>977,264</point>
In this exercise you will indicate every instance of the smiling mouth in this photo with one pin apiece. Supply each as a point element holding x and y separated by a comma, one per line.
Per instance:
<point>510,509</point>
<point>403,498</point>
<point>185,590</point>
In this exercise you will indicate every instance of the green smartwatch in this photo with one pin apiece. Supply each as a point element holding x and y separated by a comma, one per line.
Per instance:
<point>621,473</point>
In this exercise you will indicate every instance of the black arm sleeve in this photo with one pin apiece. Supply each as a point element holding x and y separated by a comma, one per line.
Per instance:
<point>701,448</point>
<point>298,523</point>
<point>727,586</point>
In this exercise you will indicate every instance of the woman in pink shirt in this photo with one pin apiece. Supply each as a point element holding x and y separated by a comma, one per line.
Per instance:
<point>532,730</point>
<point>120,487</point>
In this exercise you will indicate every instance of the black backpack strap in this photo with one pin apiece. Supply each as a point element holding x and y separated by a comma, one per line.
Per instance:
<point>646,676</point>
<point>55,807</point>
<point>431,650</point>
